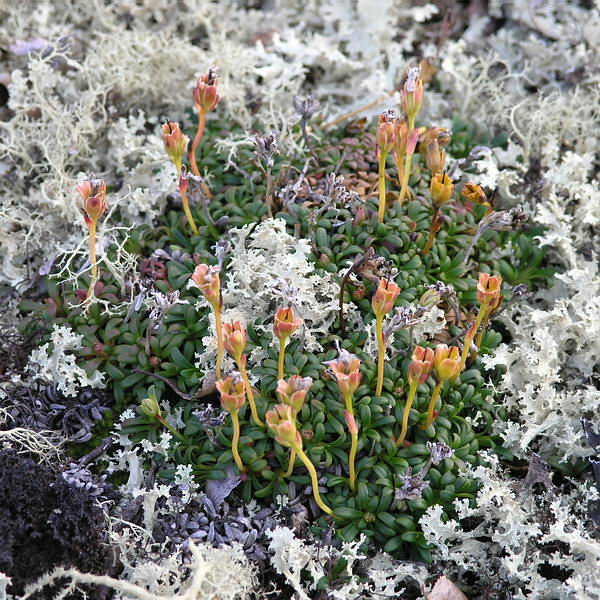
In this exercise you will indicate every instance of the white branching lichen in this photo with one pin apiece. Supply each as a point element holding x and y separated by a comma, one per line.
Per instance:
<point>54,362</point>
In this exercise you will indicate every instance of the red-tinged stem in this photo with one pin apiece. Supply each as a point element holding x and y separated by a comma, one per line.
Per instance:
<point>380,352</point>
<point>196,142</point>
<point>431,238</point>
<point>382,159</point>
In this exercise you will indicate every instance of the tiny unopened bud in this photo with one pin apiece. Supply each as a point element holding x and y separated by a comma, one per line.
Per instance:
<point>411,144</point>
<point>350,422</point>
<point>149,406</point>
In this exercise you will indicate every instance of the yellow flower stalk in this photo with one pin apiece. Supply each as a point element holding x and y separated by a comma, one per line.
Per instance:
<point>175,146</point>
<point>382,303</point>
<point>418,372</point>
<point>234,340</point>
<point>93,193</point>
<point>346,370</point>
<point>282,423</point>
<point>232,400</point>
<point>489,296</point>
<point>293,393</point>
<point>285,325</point>
<point>208,281</point>
<point>446,365</point>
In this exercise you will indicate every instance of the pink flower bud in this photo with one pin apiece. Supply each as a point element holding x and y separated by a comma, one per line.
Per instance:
<point>282,423</point>
<point>208,280</point>
<point>421,364</point>
<point>346,370</point>
<point>412,142</point>
<point>285,323</point>
<point>232,393</point>
<point>411,95</point>
<point>293,392</point>
<point>93,192</point>
<point>205,92</point>
<point>384,298</point>
<point>350,422</point>
<point>234,339</point>
<point>385,136</point>
<point>175,142</point>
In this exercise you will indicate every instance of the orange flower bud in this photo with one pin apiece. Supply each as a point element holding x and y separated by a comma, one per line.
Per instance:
<point>293,392</point>
<point>441,188</point>
<point>93,192</point>
<point>234,339</point>
<point>208,280</point>
<point>421,364</point>
<point>474,193</point>
<point>281,422</point>
<point>400,137</point>
<point>435,157</point>
<point>446,362</point>
<point>205,92</point>
<point>232,392</point>
<point>350,422</point>
<point>386,132</point>
<point>384,298</point>
<point>175,141</point>
<point>285,324</point>
<point>411,95</point>
<point>489,290</point>
<point>346,370</point>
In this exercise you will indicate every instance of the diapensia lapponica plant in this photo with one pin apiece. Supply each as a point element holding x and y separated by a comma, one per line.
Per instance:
<point>376,420</point>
